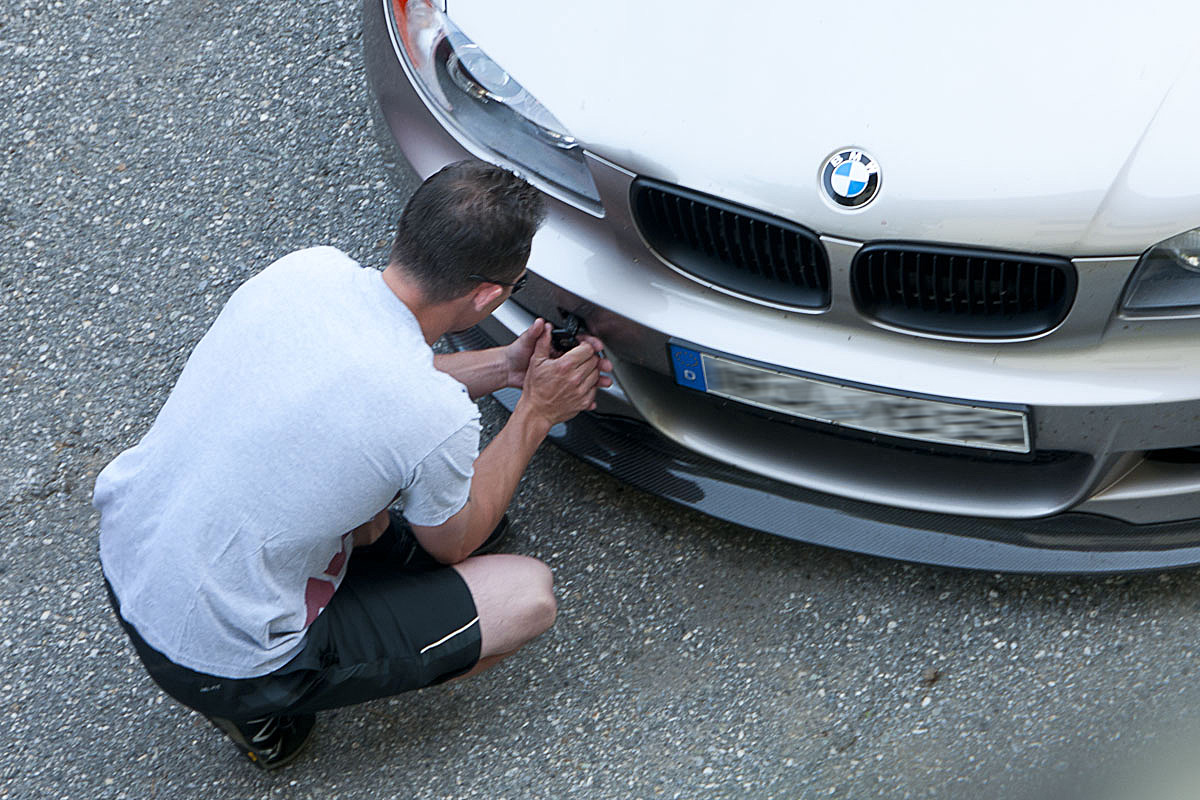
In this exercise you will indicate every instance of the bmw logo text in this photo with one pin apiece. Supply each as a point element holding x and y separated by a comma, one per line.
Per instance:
<point>850,178</point>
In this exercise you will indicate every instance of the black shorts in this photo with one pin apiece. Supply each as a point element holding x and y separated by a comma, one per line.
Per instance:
<point>388,629</point>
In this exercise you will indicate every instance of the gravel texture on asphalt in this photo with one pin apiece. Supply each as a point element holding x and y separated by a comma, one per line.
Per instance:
<point>153,156</point>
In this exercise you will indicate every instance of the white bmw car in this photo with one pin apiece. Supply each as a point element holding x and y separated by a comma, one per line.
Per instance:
<point>916,280</point>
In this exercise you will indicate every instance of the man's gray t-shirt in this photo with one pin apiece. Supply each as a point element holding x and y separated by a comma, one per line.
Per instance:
<point>307,406</point>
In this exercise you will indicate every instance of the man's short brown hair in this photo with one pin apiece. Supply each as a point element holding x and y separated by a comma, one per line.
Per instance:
<point>469,218</point>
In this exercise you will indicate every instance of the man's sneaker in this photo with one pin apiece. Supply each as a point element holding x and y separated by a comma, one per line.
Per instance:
<point>408,550</point>
<point>269,742</point>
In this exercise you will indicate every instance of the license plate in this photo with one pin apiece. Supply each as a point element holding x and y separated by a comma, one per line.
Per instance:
<point>939,421</point>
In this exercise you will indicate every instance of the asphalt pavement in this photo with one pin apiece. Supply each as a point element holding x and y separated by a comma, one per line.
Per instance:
<point>155,155</point>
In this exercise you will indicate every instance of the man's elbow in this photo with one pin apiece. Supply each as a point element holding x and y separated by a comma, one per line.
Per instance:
<point>451,556</point>
<point>457,538</point>
<point>448,543</point>
<point>446,549</point>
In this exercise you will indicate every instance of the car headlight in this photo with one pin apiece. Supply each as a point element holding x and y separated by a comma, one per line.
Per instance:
<point>1167,278</point>
<point>492,114</point>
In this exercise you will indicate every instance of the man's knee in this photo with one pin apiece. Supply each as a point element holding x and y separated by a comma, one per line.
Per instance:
<point>540,606</point>
<point>514,597</point>
<point>547,603</point>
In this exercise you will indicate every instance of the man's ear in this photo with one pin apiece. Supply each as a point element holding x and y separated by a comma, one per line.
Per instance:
<point>485,294</point>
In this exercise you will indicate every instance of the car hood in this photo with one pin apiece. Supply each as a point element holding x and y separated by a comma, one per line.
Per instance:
<point>1061,128</point>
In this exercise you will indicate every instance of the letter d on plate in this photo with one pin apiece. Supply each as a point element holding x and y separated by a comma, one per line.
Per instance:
<point>689,371</point>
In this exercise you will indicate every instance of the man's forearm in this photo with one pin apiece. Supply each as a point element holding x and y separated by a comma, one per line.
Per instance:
<point>498,470</point>
<point>481,371</point>
<point>554,389</point>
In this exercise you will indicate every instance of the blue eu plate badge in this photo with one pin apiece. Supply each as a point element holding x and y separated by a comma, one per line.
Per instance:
<point>689,371</point>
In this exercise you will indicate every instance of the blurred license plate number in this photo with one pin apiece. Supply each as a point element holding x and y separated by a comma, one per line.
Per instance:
<point>924,419</point>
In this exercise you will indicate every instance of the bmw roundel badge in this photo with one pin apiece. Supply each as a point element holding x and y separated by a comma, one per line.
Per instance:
<point>850,178</point>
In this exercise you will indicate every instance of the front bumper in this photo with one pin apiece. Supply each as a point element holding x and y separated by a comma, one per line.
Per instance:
<point>636,453</point>
<point>1101,395</point>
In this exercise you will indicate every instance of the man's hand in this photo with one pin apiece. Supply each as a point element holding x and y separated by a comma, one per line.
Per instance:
<point>556,389</point>
<point>517,354</point>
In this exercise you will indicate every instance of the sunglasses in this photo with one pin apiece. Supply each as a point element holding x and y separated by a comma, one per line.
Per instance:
<point>515,285</point>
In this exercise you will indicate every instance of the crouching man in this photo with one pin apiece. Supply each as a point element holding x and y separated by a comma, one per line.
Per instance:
<point>246,540</point>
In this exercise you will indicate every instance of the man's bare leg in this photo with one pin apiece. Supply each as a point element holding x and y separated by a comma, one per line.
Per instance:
<point>514,597</point>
